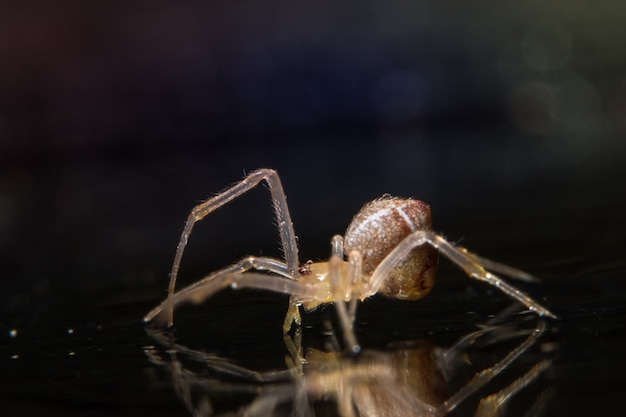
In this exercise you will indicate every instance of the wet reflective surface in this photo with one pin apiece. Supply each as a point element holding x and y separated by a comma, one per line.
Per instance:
<point>407,378</point>
<point>105,364</point>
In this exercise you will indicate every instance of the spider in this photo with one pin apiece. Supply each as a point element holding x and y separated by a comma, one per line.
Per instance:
<point>389,248</point>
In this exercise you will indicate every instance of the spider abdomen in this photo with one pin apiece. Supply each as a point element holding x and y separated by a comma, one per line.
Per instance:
<point>378,228</point>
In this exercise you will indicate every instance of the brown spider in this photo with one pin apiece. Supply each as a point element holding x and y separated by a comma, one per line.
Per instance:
<point>389,248</point>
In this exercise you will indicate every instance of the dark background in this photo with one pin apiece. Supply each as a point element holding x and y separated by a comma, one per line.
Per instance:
<point>117,118</point>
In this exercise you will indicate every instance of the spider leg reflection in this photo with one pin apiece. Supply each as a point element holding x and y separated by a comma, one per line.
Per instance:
<point>406,379</point>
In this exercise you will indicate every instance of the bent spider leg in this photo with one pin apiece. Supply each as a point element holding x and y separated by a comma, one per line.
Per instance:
<point>338,291</point>
<point>500,268</point>
<point>488,374</point>
<point>216,282</point>
<point>459,257</point>
<point>284,224</point>
<point>250,262</point>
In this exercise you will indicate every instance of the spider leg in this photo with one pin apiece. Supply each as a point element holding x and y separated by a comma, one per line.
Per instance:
<point>251,262</point>
<point>355,270</point>
<point>284,224</point>
<point>293,312</point>
<point>469,263</point>
<point>338,286</point>
<point>354,273</point>
<point>503,269</point>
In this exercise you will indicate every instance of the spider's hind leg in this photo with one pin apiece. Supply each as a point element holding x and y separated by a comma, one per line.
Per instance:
<point>473,265</point>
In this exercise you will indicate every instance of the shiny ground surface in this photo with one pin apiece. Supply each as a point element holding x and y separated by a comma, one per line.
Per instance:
<point>91,360</point>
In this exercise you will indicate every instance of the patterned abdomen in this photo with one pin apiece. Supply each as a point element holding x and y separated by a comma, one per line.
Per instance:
<point>378,228</point>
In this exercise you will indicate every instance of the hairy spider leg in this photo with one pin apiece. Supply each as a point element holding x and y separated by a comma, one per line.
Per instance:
<point>195,291</point>
<point>226,278</point>
<point>469,263</point>
<point>237,276</point>
<point>283,218</point>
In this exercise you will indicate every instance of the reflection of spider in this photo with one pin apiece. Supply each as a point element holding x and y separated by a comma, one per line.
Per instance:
<point>411,378</point>
<point>389,247</point>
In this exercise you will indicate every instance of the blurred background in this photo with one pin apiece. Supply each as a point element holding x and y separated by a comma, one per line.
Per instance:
<point>117,118</point>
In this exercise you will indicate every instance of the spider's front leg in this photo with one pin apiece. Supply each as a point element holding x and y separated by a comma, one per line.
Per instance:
<point>470,263</point>
<point>285,226</point>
